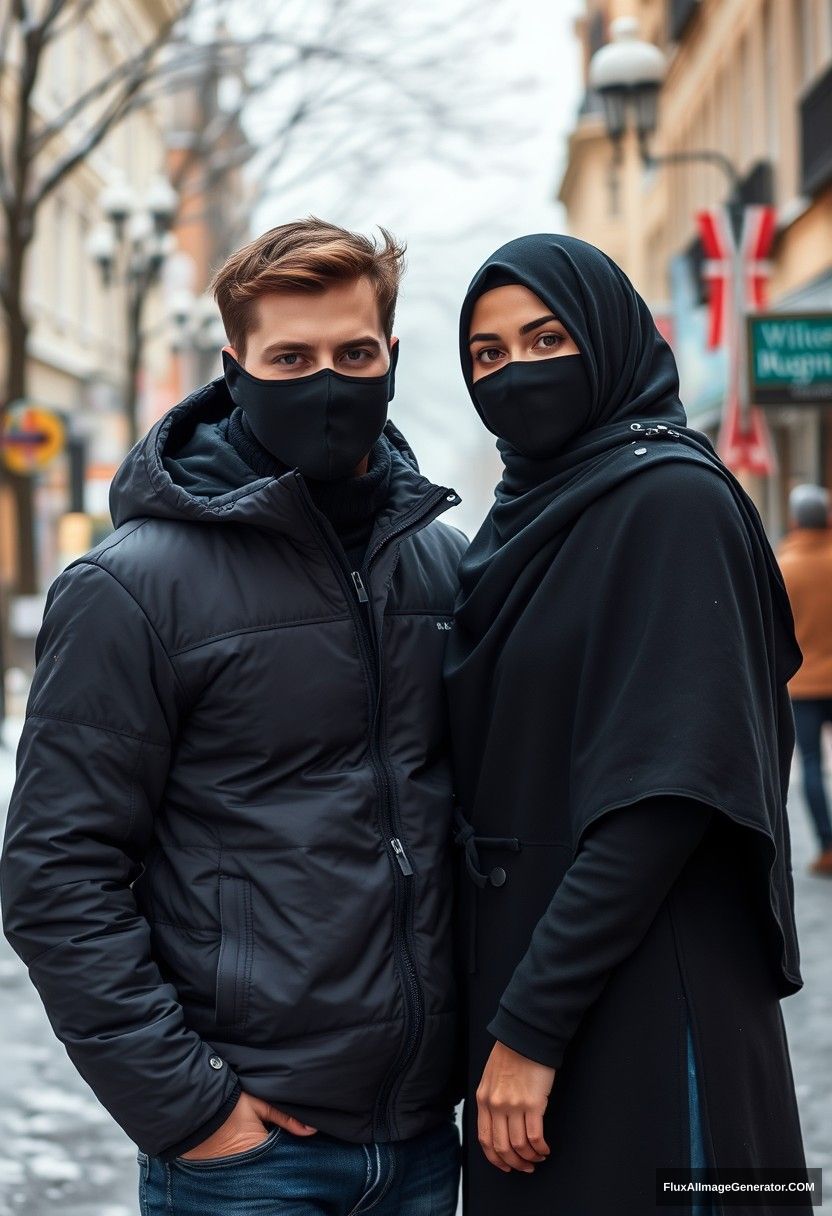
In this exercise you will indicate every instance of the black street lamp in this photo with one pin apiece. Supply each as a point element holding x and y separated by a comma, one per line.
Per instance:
<point>627,74</point>
<point>197,332</point>
<point>130,247</point>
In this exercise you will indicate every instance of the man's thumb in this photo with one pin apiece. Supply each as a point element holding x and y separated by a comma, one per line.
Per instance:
<point>270,1114</point>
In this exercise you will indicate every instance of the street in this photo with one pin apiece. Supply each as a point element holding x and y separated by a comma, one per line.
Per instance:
<point>60,1153</point>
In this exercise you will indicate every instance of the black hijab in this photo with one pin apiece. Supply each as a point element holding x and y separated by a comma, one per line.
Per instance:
<point>588,570</point>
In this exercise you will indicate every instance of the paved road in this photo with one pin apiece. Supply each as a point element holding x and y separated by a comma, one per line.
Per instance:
<point>61,1155</point>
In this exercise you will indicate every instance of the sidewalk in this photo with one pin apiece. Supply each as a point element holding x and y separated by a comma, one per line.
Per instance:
<point>61,1154</point>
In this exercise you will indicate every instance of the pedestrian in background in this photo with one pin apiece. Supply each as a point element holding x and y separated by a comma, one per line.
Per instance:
<point>805,557</point>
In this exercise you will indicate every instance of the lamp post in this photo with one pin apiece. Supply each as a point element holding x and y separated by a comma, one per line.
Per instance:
<point>197,329</point>
<point>628,73</point>
<point>129,247</point>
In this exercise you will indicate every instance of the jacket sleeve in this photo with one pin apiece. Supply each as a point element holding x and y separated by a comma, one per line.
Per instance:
<point>91,768</point>
<point>626,864</point>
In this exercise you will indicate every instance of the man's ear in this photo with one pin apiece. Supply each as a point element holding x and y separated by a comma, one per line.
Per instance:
<point>394,358</point>
<point>232,352</point>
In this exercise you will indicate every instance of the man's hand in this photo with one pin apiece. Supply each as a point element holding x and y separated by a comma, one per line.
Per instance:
<point>245,1128</point>
<point>511,1098</point>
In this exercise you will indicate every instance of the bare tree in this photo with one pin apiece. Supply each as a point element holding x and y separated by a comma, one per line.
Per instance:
<point>348,82</point>
<point>338,88</point>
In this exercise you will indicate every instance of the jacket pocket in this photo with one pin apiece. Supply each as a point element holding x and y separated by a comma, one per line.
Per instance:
<point>235,953</point>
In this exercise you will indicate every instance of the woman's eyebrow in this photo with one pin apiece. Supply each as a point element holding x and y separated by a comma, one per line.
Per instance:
<point>525,329</point>
<point>483,338</point>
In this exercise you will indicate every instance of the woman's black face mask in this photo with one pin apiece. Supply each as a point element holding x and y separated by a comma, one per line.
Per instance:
<point>323,424</point>
<point>537,405</point>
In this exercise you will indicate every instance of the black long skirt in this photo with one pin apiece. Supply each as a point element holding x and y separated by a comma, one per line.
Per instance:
<point>619,1105</point>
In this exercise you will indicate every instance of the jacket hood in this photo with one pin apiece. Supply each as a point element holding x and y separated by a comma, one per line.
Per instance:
<point>184,468</point>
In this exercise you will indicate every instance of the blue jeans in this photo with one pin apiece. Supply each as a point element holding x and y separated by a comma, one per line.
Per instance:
<point>809,717</point>
<point>318,1175</point>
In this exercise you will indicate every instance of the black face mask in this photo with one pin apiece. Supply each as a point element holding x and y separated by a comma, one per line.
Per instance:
<point>536,406</point>
<point>323,424</point>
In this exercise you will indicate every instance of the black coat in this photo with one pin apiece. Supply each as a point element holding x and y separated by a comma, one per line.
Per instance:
<point>228,854</point>
<point>623,638</point>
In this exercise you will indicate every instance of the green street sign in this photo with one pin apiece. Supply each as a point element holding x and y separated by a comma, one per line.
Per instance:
<point>790,358</point>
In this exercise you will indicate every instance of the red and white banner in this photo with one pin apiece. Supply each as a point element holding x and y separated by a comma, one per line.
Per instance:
<point>744,439</point>
<point>720,247</point>
<point>746,447</point>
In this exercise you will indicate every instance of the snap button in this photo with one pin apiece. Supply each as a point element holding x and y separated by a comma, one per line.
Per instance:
<point>497,876</point>
<point>215,1062</point>
<point>452,498</point>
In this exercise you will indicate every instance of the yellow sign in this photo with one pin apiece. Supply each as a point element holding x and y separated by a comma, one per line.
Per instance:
<point>30,437</point>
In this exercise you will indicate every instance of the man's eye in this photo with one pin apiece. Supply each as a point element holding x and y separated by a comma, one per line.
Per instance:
<point>289,360</point>
<point>489,355</point>
<point>356,356</point>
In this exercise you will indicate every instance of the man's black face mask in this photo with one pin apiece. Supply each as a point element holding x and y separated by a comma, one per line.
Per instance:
<point>323,424</point>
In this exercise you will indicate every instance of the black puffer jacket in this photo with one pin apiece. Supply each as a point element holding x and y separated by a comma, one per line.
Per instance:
<point>228,852</point>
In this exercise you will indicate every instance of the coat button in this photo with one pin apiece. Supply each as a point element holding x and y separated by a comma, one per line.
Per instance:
<point>497,876</point>
<point>215,1062</point>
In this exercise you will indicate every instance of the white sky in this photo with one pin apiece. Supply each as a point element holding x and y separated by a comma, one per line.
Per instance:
<point>452,219</point>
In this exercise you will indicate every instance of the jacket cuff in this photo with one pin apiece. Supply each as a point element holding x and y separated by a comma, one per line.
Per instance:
<point>205,1129</point>
<point>527,1040</point>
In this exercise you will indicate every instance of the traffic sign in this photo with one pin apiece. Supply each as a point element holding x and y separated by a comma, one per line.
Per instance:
<point>30,437</point>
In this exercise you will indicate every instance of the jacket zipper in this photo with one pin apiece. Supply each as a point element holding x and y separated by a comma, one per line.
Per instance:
<point>403,871</point>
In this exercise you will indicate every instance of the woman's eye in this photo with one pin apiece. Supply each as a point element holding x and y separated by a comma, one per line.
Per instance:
<point>549,340</point>
<point>489,355</point>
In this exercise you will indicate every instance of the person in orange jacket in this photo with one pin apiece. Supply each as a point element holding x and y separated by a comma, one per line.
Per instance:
<point>805,557</point>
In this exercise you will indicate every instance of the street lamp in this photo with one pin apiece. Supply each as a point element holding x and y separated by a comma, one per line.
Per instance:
<point>130,245</point>
<point>198,328</point>
<point>627,74</point>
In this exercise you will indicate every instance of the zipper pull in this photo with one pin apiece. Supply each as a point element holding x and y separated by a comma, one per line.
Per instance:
<point>401,856</point>
<point>363,598</point>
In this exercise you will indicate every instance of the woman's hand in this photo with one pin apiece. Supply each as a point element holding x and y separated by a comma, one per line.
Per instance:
<point>511,1098</point>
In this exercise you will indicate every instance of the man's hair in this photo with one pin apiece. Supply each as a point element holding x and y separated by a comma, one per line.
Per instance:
<point>809,505</point>
<point>306,255</point>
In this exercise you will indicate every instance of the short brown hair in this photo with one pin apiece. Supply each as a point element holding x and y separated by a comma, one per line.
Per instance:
<point>306,255</point>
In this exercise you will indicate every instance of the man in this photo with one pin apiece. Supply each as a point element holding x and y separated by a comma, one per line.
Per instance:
<point>227,861</point>
<point>805,557</point>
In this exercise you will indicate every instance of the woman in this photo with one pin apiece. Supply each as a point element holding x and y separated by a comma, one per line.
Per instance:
<point>623,735</point>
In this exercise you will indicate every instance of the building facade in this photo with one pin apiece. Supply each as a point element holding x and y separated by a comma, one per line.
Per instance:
<point>751,79</point>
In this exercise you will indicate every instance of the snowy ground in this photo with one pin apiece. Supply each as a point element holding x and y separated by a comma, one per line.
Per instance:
<point>61,1155</point>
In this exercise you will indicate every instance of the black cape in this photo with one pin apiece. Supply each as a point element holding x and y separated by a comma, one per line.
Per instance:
<point>623,631</point>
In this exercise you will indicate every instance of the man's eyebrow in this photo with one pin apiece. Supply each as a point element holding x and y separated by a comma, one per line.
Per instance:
<point>526,329</point>
<point>367,341</point>
<point>306,347</point>
<point>286,345</point>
